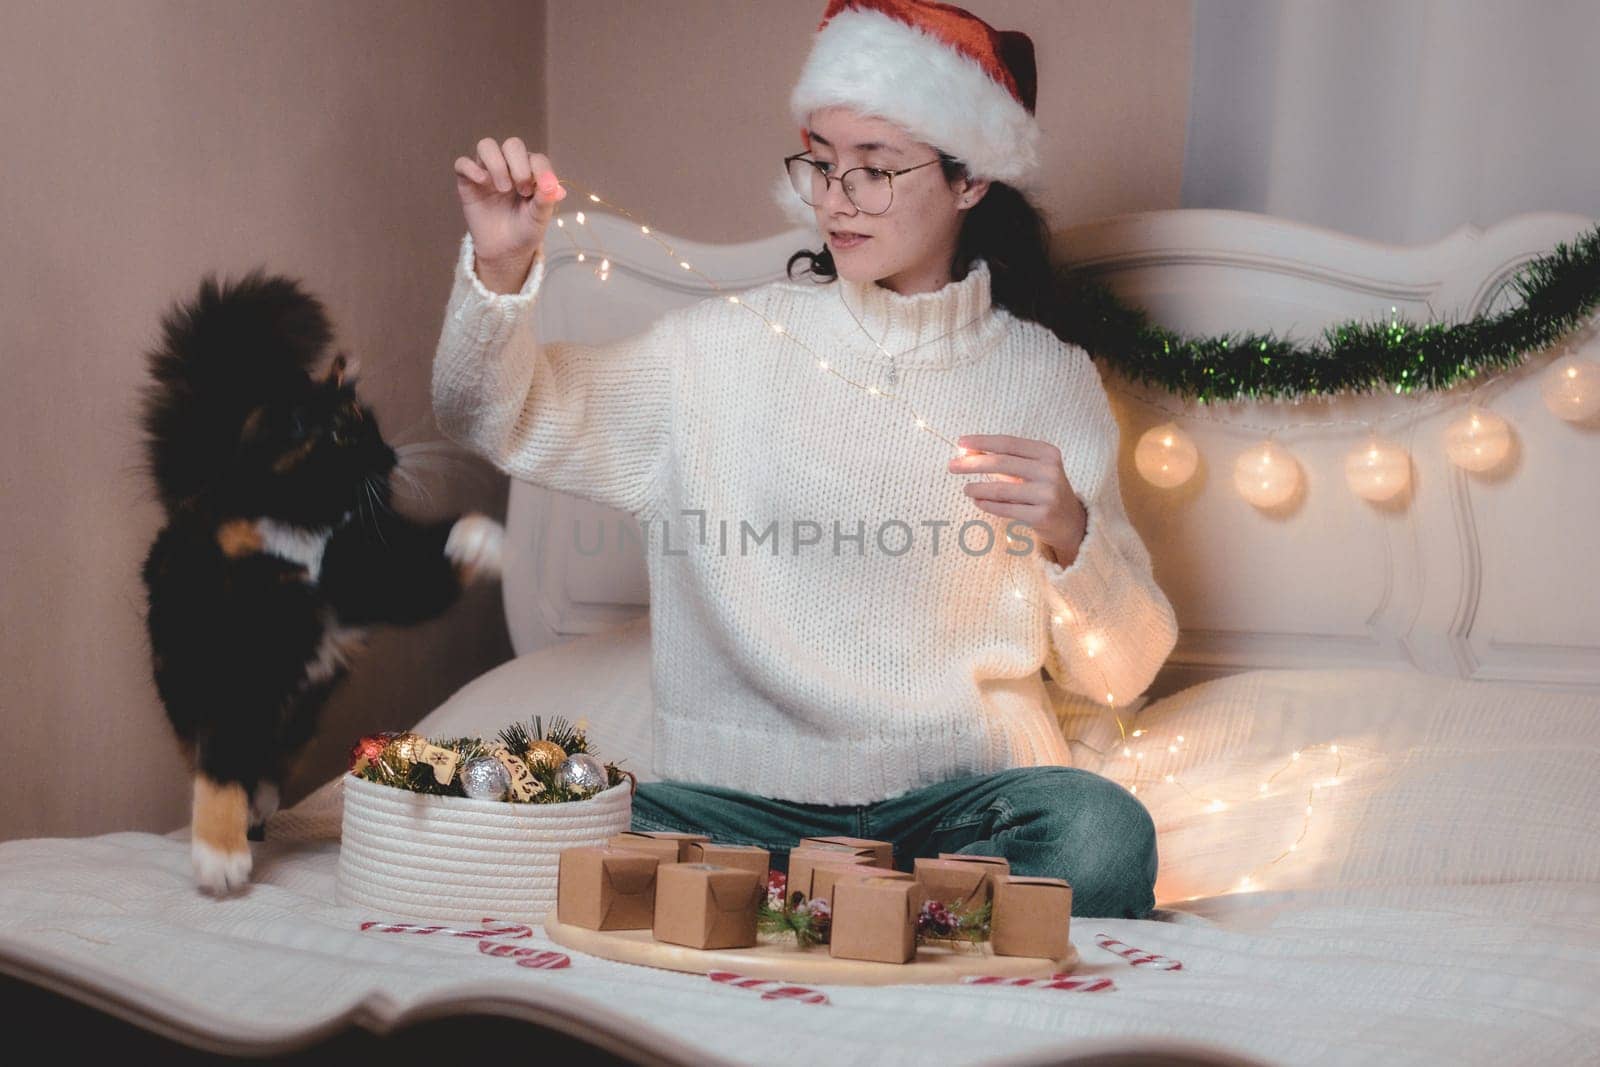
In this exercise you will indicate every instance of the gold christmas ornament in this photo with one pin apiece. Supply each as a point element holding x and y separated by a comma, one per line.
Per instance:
<point>1165,456</point>
<point>1377,470</point>
<point>408,747</point>
<point>543,754</point>
<point>1477,441</point>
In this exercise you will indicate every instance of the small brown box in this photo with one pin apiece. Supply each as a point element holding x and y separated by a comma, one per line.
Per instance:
<point>670,846</point>
<point>702,905</point>
<point>804,861</point>
<point>751,858</point>
<point>957,884</point>
<point>1032,917</point>
<point>604,888</point>
<point>990,861</point>
<point>875,919</point>
<point>826,877</point>
<point>882,852</point>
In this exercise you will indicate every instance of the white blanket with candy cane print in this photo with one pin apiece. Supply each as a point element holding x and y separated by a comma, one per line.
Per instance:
<point>1444,907</point>
<point>1465,974</point>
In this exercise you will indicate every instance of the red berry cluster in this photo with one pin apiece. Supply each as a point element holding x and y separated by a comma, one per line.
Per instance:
<point>936,920</point>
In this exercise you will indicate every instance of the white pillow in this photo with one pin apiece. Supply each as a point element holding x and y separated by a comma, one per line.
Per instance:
<point>1443,781</point>
<point>602,678</point>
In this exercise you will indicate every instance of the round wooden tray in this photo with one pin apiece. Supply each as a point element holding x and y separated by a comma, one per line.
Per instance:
<point>781,958</point>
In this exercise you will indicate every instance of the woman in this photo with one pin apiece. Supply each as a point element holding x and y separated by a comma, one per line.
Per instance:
<point>854,672</point>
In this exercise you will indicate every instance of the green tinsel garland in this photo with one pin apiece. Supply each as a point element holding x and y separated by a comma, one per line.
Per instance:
<point>1559,291</point>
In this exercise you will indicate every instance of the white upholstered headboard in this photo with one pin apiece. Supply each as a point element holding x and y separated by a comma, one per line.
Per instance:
<point>1470,575</point>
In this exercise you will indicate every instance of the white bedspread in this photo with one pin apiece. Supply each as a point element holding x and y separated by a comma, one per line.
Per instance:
<point>1447,910</point>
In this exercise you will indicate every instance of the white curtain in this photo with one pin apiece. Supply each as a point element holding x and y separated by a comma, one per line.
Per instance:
<point>1397,120</point>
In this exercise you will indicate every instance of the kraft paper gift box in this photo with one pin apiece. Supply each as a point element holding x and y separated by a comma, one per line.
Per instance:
<point>960,885</point>
<point>1032,917</point>
<point>882,852</point>
<point>605,888</point>
<point>752,858</point>
<point>875,919</point>
<point>825,879</point>
<point>989,861</point>
<point>669,846</point>
<point>702,905</point>
<point>803,863</point>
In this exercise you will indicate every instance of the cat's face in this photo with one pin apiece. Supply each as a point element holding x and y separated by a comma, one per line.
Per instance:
<point>316,456</point>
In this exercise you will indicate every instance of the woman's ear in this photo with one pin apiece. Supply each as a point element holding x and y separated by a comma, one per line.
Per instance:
<point>975,188</point>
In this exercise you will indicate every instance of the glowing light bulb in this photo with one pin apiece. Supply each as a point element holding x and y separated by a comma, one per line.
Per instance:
<point>561,223</point>
<point>644,229</point>
<point>580,218</point>
<point>1266,475</point>
<point>1217,805</point>
<point>822,363</point>
<point>1571,389</point>
<point>684,264</point>
<point>1377,470</point>
<point>582,257</point>
<point>593,197</point>
<point>1165,456</point>
<point>733,300</point>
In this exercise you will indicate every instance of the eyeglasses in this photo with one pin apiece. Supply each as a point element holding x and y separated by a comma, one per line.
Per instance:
<point>870,189</point>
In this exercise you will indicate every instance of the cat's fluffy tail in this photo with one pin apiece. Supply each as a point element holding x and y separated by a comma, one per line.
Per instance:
<point>233,347</point>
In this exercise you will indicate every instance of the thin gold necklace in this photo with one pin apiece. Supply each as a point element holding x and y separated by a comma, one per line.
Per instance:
<point>893,376</point>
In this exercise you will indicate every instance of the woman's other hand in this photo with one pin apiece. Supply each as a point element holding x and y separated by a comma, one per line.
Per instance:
<point>1030,485</point>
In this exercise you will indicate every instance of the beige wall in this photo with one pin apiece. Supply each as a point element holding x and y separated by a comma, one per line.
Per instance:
<point>149,143</point>
<point>645,124</point>
<point>146,144</point>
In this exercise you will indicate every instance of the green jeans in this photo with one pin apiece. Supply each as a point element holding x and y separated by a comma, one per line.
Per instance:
<point>1056,822</point>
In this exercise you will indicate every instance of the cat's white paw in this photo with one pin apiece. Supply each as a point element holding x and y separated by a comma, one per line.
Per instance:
<point>263,803</point>
<point>216,871</point>
<point>475,545</point>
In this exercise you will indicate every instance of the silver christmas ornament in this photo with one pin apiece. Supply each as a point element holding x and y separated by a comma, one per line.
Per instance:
<point>582,773</point>
<point>485,778</point>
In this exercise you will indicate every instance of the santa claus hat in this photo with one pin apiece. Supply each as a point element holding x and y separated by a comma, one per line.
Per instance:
<point>940,72</point>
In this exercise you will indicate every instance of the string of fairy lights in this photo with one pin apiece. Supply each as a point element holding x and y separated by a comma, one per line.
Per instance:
<point>1133,743</point>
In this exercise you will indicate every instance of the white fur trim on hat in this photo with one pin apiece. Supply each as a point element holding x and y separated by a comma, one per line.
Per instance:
<point>880,66</point>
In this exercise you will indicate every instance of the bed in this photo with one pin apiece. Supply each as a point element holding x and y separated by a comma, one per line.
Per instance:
<point>1408,696</point>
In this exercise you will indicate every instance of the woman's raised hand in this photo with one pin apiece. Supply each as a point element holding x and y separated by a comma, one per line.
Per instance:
<point>508,196</point>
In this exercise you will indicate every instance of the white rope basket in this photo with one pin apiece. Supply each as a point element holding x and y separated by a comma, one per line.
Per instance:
<point>456,859</point>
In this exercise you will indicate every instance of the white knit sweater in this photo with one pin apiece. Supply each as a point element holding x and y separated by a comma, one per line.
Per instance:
<point>819,633</point>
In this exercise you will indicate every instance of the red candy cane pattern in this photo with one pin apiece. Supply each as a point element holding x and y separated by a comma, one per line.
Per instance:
<point>540,959</point>
<point>1072,983</point>
<point>770,990</point>
<point>1137,957</point>
<point>505,930</point>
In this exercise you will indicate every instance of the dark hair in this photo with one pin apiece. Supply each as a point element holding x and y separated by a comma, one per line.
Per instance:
<point>1007,231</point>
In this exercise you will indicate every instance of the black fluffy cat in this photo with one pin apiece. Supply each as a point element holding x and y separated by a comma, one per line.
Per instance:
<point>280,547</point>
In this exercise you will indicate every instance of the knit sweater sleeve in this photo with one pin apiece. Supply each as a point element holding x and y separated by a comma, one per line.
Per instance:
<point>1110,625</point>
<point>587,419</point>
